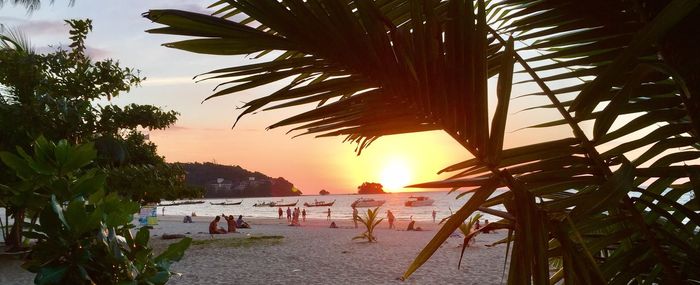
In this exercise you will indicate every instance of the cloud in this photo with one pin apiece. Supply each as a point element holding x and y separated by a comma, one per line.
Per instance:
<point>165,81</point>
<point>97,53</point>
<point>36,27</point>
<point>93,52</point>
<point>43,27</point>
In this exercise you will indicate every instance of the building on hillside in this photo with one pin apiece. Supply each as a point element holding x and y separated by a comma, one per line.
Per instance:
<point>251,183</point>
<point>219,187</point>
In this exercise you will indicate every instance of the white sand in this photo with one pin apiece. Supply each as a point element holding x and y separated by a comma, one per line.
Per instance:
<point>316,254</point>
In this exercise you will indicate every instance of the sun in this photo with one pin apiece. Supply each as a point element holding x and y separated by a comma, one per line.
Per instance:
<point>395,175</point>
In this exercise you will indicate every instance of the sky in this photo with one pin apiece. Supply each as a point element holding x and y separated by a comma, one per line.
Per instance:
<point>203,131</point>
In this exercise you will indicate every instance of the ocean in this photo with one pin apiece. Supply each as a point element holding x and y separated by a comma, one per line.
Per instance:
<point>444,205</point>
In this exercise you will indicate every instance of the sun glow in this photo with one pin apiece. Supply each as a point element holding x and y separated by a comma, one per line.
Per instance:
<point>395,175</point>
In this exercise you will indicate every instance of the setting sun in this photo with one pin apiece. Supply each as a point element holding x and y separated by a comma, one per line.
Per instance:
<point>395,175</point>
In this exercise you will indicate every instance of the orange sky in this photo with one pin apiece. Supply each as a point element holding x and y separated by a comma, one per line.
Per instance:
<point>203,132</point>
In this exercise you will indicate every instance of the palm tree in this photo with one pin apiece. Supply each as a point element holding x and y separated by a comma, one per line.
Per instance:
<point>614,210</point>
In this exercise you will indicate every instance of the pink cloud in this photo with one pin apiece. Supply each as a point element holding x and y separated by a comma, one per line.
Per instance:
<point>93,52</point>
<point>41,27</point>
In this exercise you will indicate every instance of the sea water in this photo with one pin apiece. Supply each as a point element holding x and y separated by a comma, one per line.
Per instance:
<point>445,204</point>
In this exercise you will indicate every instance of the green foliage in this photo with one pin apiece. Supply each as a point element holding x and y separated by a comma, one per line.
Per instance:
<point>55,95</point>
<point>467,226</point>
<point>617,207</point>
<point>155,182</point>
<point>83,235</point>
<point>370,222</point>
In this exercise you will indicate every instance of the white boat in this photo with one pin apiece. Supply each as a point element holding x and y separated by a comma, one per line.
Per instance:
<point>367,202</point>
<point>419,201</point>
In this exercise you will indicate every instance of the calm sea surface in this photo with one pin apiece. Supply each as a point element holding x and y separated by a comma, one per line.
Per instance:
<point>340,210</point>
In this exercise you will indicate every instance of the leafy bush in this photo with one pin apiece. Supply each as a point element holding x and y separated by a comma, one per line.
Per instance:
<point>370,222</point>
<point>84,233</point>
<point>466,228</point>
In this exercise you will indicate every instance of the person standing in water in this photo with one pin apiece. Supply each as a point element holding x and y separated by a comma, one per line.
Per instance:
<point>289,215</point>
<point>303,215</point>
<point>434,214</point>
<point>280,213</point>
<point>329,214</point>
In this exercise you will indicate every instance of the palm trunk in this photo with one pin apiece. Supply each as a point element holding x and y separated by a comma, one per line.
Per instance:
<point>14,239</point>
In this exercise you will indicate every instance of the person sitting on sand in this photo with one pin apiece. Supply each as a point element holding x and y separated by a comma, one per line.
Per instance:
<point>412,227</point>
<point>231,222</point>
<point>187,219</point>
<point>214,227</point>
<point>241,224</point>
<point>333,225</point>
<point>486,223</point>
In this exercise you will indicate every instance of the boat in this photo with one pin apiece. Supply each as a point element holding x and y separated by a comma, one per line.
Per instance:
<point>181,203</point>
<point>282,204</point>
<point>319,204</point>
<point>419,201</point>
<point>264,204</point>
<point>227,203</point>
<point>367,202</point>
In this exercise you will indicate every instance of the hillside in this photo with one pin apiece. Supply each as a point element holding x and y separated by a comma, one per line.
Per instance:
<point>227,181</point>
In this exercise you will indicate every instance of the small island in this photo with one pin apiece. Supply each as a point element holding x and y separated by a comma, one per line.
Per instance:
<point>370,188</point>
<point>323,192</point>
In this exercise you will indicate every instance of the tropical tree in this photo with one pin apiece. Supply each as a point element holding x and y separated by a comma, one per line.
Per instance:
<point>55,95</point>
<point>617,204</point>
<point>370,188</point>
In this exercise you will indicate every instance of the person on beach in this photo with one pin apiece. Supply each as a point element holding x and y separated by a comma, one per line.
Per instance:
<point>242,224</point>
<point>163,211</point>
<point>333,225</point>
<point>329,214</point>
<point>289,215</point>
<point>355,216</point>
<point>434,214</point>
<point>280,213</point>
<point>486,223</point>
<point>477,225</point>
<point>231,222</point>
<point>412,226</point>
<point>214,227</point>
<point>391,218</point>
<point>303,215</point>
<point>187,219</point>
<point>295,218</point>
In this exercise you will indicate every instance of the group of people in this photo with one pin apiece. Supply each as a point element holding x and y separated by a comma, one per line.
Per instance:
<point>231,222</point>
<point>292,215</point>
<point>478,226</point>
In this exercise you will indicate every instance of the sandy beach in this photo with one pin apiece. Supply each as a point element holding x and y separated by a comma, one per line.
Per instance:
<point>313,254</point>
